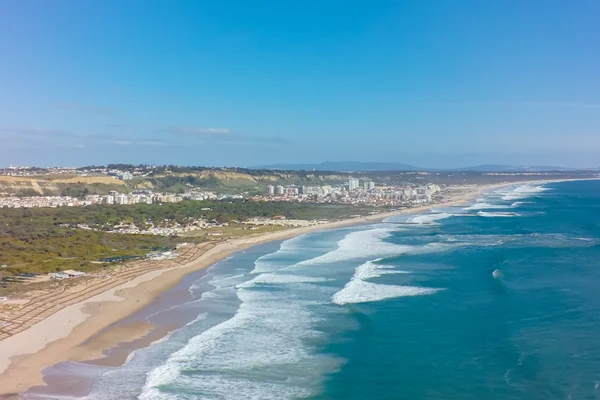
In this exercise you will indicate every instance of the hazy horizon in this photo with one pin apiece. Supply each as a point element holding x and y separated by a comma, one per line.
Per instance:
<point>275,165</point>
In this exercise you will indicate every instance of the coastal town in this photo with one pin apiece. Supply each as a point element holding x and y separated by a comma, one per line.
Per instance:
<point>112,198</point>
<point>343,190</point>
<point>122,184</point>
<point>353,192</point>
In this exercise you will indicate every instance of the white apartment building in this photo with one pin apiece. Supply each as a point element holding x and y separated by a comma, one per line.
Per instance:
<point>120,199</point>
<point>279,190</point>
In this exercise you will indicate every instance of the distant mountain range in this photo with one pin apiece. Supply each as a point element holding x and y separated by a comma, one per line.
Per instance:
<point>349,166</point>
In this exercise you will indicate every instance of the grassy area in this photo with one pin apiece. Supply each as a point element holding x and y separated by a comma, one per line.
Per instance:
<point>72,249</point>
<point>42,240</point>
<point>42,221</point>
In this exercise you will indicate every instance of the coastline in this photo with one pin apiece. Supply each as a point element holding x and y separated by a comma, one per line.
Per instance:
<point>62,335</point>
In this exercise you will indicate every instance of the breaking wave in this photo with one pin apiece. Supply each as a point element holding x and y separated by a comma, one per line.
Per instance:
<point>358,290</point>
<point>275,279</point>
<point>260,352</point>
<point>427,219</point>
<point>486,206</point>
<point>362,244</point>
<point>521,192</point>
<point>498,214</point>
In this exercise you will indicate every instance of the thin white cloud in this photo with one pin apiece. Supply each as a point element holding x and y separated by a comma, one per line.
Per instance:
<point>223,135</point>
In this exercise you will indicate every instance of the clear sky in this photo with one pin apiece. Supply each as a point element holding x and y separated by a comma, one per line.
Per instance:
<point>432,83</point>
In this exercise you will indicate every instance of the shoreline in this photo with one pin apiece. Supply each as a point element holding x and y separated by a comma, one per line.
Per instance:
<point>63,335</point>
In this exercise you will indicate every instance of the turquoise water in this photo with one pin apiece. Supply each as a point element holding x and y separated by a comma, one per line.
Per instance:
<point>404,309</point>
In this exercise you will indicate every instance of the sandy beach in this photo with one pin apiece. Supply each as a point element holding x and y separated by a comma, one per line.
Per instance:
<point>64,335</point>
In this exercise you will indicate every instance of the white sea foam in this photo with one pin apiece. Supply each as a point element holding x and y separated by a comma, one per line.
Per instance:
<point>362,244</point>
<point>358,290</point>
<point>371,269</point>
<point>520,240</point>
<point>485,206</point>
<point>261,352</point>
<point>290,249</point>
<point>280,279</point>
<point>258,341</point>
<point>268,262</point>
<point>498,214</point>
<point>426,219</point>
<point>132,355</point>
<point>434,247</point>
<point>521,192</point>
<point>228,280</point>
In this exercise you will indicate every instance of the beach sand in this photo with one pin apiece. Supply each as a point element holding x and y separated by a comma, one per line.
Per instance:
<point>72,334</point>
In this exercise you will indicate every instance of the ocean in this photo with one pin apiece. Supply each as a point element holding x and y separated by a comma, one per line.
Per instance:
<point>495,299</point>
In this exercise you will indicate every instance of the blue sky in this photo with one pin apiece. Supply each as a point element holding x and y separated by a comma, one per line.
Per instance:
<point>431,83</point>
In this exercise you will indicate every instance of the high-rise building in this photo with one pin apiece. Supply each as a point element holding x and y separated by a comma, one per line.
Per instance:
<point>291,191</point>
<point>121,199</point>
<point>279,190</point>
<point>270,190</point>
<point>125,176</point>
<point>369,185</point>
<point>353,184</point>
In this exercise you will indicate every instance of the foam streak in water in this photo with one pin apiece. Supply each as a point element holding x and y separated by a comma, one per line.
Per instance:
<point>361,244</point>
<point>521,192</point>
<point>274,279</point>
<point>261,352</point>
<point>485,206</point>
<point>358,290</point>
<point>497,214</point>
<point>426,219</point>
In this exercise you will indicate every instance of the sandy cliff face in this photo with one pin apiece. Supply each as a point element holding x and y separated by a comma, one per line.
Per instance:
<point>47,186</point>
<point>272,177</point>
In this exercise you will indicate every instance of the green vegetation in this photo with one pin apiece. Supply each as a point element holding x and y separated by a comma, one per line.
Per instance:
<point>14,221</point>
<point>83,189</point>
<point>63,248</point>
<point>37,241</point>
<point>179,184</point>
<point>41,240</point>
